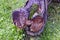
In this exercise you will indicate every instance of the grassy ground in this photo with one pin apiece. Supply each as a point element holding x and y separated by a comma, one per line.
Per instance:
<point>9,32</point>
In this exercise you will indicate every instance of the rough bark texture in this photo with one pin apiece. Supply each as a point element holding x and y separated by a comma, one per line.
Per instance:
<point>43,6</point>
<point>21,16</point>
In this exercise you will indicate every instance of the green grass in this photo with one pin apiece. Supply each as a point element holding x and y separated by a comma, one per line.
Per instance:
<point>9,32</point>
<point>52,29</point>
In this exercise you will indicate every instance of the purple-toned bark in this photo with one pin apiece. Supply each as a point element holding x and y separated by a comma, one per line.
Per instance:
<point>38,2</point>
<point>43,5</point>
<point>19,17</point>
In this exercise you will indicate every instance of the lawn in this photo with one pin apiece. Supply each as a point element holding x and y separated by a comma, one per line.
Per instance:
<point>10,32</point>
